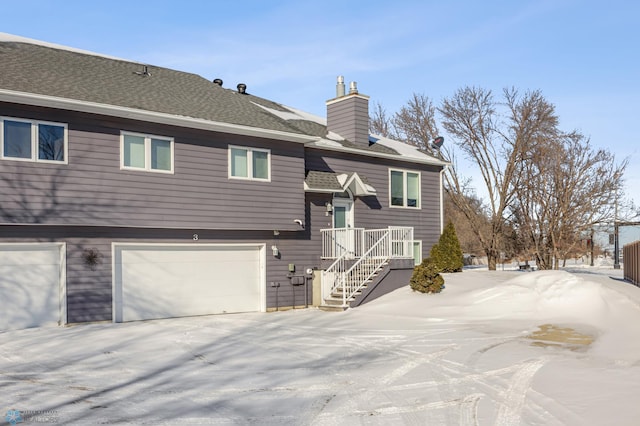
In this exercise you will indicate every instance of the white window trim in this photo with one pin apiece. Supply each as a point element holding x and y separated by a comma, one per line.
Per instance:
<point>34,140</point>
<point>349,206</point>
<point>147,152</point>
<point>250,151</point>
<point>404,189</point>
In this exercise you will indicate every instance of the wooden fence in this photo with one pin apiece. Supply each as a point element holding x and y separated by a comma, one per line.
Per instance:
<point>631,262</point>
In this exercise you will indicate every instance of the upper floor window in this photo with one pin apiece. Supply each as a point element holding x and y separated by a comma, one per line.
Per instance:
<point>28,140</point>
<point>249,163</point>
<point>146,152</point>
<point>404,188</point>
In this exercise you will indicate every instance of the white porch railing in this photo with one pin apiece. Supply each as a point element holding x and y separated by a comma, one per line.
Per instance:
<point>357,241</point>
<point>337,242</point>
<point>371,250</point>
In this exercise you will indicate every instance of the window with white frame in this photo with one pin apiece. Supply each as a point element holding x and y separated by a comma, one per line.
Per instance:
<point>417,252</point>
<point>146,152</point>
<point>28,140</point>
<point>249,163</point>
<point>404,188</point>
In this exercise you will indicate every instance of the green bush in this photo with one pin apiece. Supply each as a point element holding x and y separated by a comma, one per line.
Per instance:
<point>426,278</point>
<point>447,254</point>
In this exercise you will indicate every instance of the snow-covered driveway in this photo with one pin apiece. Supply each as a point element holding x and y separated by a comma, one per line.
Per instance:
<point>463,357</point>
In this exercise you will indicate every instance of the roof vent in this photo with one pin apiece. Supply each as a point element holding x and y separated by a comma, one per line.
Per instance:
<point>218,81</point>
<point>340,87</point>
<point>242,88</point>
<point>144,73</point>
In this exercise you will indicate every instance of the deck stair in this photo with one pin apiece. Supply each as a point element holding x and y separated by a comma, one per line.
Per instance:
<point>349,276</point>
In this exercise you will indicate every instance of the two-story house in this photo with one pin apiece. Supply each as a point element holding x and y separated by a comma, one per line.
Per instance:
<point>129,191</point>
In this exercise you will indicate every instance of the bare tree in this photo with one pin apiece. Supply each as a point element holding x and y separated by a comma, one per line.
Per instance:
<point>544,187</point>
<point>533,124</point>
<point>567,188</point>
<point>497,143</point>
<point>380,123</point>
<point>415,123</point>
<point>466,236</point>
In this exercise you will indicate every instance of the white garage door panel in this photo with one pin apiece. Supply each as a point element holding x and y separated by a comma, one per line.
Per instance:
<point>30,285</point>
<point>174,281</point>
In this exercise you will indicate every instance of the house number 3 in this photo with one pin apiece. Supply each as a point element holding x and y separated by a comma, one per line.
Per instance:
<point>195,237</point>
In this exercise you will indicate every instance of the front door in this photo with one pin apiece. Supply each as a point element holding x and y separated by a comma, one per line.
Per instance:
<point>343,224</point>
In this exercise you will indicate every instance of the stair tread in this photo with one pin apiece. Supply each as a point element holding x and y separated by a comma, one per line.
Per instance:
<point>336,297</point>
<point>328,308</point>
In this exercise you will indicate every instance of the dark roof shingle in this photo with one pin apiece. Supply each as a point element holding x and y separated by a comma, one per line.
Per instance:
<point>43,70</point>
<point>55,71</point>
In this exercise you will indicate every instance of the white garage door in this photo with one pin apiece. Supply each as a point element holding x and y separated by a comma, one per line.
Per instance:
<point>32,285</point>
<point>164,281</point>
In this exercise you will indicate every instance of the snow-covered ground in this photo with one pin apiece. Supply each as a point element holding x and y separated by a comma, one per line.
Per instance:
<point>472,355</point>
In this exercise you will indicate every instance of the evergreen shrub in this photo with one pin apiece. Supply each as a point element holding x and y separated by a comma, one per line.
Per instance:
<point>447,254</point>
<point>426,278</point>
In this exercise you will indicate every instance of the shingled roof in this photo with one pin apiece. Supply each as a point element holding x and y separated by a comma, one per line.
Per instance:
<point>332,182</point>
<point>67,74</point>
<point>42,69</point>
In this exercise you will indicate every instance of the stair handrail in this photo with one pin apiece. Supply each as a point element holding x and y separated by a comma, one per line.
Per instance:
<point>380,252</point>
<point>337,269</point>
<point>360,278</point>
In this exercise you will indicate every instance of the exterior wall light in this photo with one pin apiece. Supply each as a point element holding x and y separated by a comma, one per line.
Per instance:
<point>329,207</point>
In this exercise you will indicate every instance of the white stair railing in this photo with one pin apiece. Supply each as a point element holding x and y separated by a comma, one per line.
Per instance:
<point>359,274</point>
<point>333,276</point>
<point>337,241</point>
<point>372,249</point>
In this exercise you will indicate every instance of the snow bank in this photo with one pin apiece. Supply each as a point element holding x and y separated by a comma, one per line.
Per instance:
<point>541,296</point>
<point>526,300</point>
<point>460,357</point>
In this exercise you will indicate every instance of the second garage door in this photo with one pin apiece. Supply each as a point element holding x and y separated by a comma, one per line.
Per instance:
<point>32,285</point>
<point>165,281</point>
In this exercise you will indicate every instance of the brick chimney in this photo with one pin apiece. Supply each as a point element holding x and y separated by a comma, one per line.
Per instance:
<point>348,114</point>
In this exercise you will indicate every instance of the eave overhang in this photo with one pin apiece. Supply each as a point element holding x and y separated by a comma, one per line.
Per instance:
<point>339,182</point>
<point>24,98</point>
<point>335,146</point>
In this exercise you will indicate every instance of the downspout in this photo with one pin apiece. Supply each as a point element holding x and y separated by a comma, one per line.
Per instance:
<point>442,199</point>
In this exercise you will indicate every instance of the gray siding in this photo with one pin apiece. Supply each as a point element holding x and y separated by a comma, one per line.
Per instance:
<point>89,289</point>
<point>394,280</point>
<point>90,203</point>
<point>375,211</point>
<point>349,117</point>
<point>92,190</point>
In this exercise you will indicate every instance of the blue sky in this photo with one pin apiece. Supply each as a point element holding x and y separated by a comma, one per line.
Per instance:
<point>583,55</point>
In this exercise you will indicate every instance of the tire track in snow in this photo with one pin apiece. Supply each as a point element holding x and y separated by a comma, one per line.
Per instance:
<point>513,398</point>
<point>546,410</point>
<point>446,390</point>
<point>376,387</point>
<point>510,395</point>
<point>538,406</point>
<point>469,410</point>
